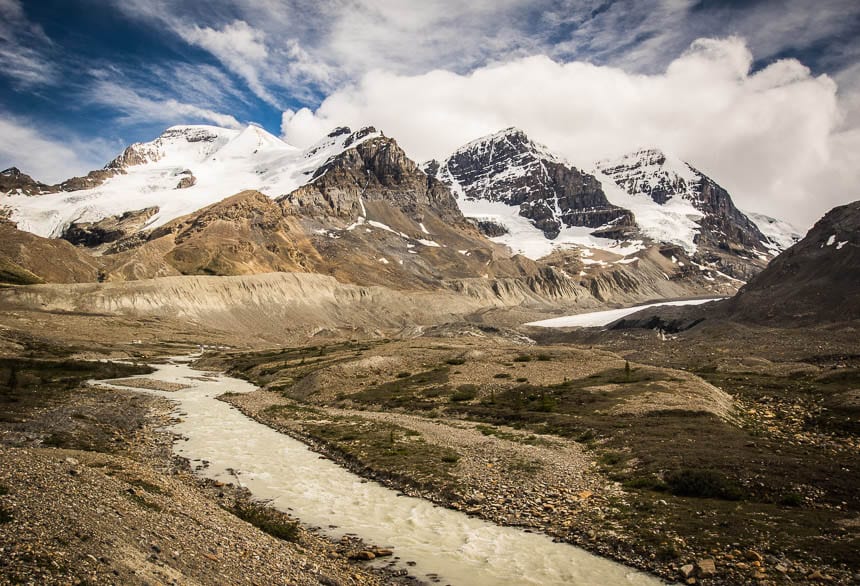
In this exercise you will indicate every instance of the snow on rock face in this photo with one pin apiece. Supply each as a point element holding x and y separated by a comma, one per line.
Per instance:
<point>650,172</point>
<point>781,234</point>
<point>223,161</point>
<point>509,168</point>
<point>688,203</point>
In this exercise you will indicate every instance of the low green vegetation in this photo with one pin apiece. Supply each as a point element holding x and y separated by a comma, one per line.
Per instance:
<point>267,519</point>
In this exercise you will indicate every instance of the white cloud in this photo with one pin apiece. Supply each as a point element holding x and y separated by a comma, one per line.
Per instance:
<point>769,137</point>
<point>138,106</point>
<point>241,48</point>
<point>45,157</point>
<point>24,48</point>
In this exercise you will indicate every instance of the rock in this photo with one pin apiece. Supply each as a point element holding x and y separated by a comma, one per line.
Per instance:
<point>186,182</point>
<point>753,555</point>
<point>687,570</point>
<point>818,576</point>
<point>706,567</point>
<point>378,552</point>
<point>363,555</point>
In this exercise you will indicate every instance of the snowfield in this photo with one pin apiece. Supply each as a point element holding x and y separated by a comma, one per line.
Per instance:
<point>602,318</point>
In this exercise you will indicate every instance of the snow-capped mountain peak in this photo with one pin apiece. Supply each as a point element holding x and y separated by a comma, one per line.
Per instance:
<point>178,145</point>
<point>529,193</point>
<point>206,163</point>
<point>653,173</point>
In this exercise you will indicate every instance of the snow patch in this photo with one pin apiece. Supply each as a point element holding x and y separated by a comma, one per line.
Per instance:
<point>523,238</point>
<point>602,318</point>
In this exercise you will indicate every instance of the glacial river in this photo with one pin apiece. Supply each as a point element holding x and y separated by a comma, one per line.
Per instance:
<point>461,550</point>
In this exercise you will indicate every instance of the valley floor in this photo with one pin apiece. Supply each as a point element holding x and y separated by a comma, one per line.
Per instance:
<point>723,455</point>
<point>702,461</point>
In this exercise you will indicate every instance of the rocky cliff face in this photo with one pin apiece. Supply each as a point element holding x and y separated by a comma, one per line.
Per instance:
<point>508,167</point>
<point>374,170</point>
<point>12,180</point>
<point>107,230</point>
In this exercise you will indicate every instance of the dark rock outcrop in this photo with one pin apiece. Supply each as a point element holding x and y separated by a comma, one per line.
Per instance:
<point>508,167</point>
<point>12,180</point>
<point>111,229</point>
<point>374,170</point>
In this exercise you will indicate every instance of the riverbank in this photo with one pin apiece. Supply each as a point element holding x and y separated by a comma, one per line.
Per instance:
<point>109,503</point>
<point>652,466</point>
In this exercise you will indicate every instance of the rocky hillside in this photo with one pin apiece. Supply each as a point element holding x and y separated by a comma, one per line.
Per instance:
<point>816,280</point>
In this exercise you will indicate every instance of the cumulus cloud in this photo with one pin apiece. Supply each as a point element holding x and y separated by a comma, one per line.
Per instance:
<point>770,137</point>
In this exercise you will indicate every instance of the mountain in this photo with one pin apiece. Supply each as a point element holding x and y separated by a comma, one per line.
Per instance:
<point>780,234</point>
<point>816,280</point>
<point>508,167</point>
<point>523,195</point>
<point>202,200</point>
<point>701,214</point>
<point>12,180</point>
<point>181,171</point>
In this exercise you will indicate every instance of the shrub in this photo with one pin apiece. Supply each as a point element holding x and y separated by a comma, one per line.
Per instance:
<point>523,358</point>
<point>266,519</point>
<point>544,357</point>
<point>502,375</point>
<point>465,393</point>
<point>702,484</point>
<point>792,499</point>
<point>456,361</point>
<point>404,374</point>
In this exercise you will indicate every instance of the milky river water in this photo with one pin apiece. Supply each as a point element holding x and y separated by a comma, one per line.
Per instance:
<point>461,550</point>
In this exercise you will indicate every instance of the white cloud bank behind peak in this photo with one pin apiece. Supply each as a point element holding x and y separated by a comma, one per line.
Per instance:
<point>772,138</point>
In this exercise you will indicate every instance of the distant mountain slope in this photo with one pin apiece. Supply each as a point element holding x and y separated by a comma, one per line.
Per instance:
<point>513,187</point>
<point>816,280</point>
<point>781,234</point>
<point>669,181</point>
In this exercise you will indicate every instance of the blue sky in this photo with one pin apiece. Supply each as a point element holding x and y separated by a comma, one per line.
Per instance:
<point>80,79</point>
